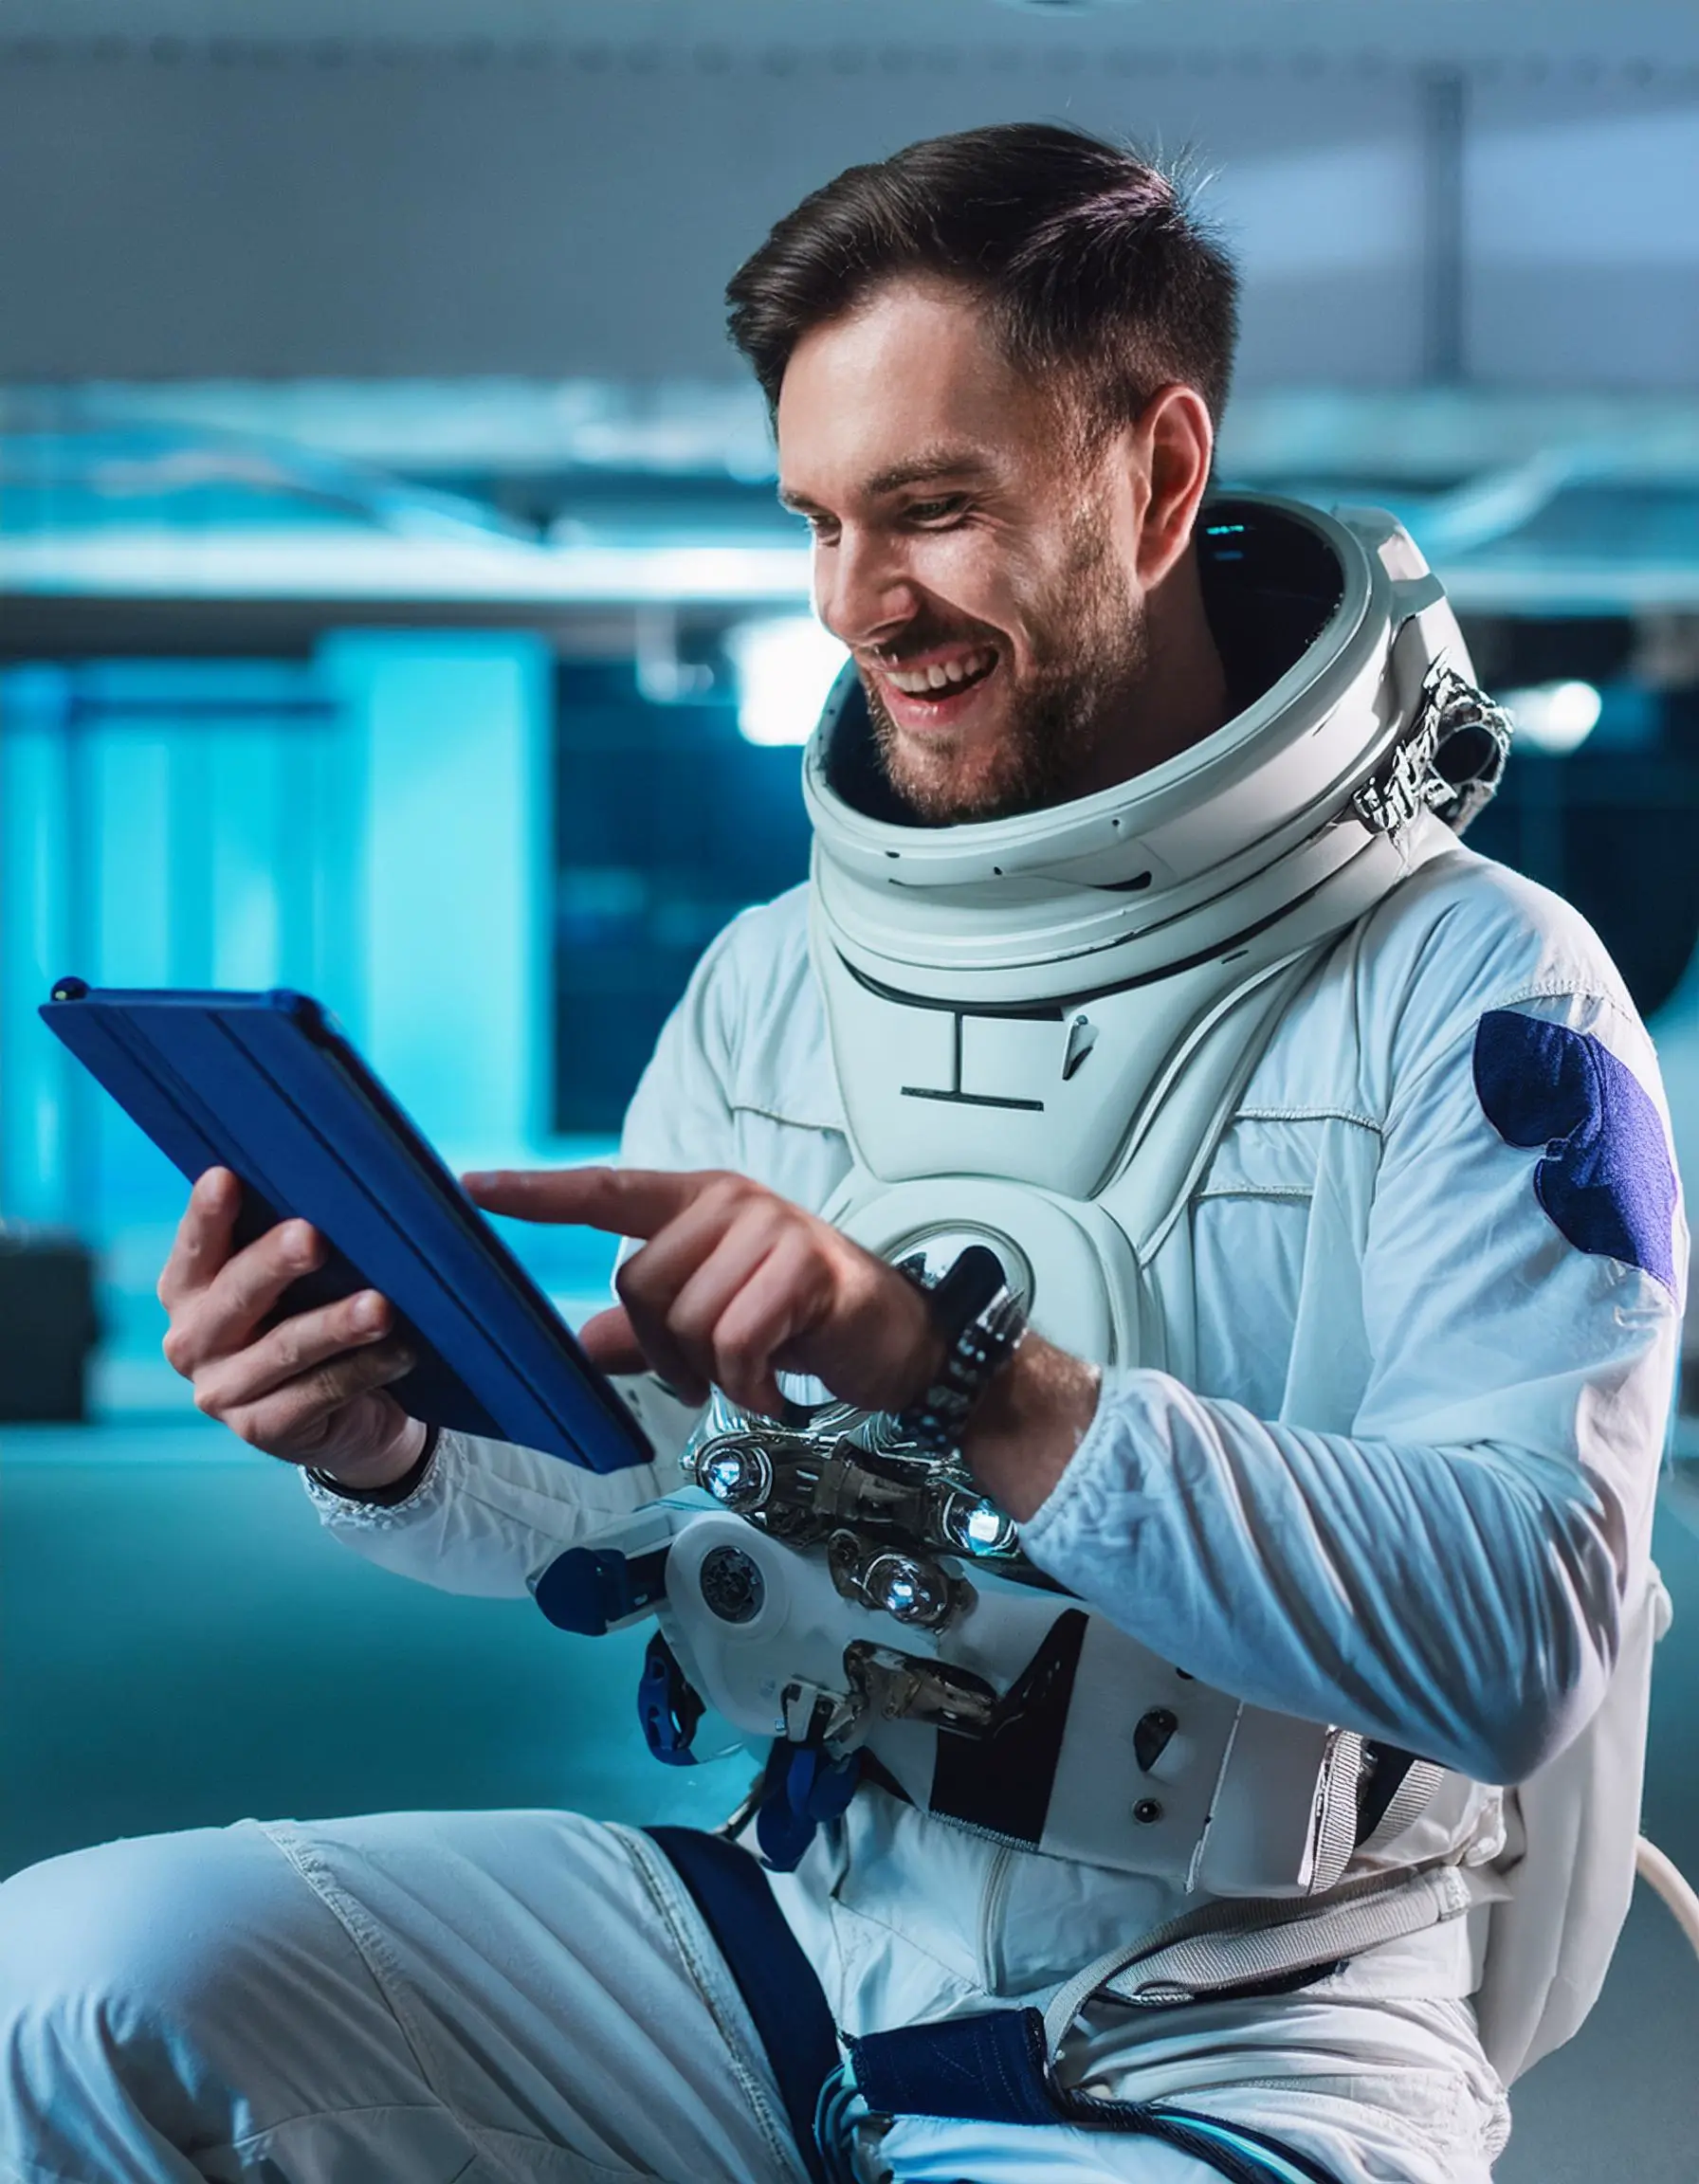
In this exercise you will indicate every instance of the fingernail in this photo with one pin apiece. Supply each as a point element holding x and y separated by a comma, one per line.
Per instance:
<point>369,1310</point>
<point>406,1358</point>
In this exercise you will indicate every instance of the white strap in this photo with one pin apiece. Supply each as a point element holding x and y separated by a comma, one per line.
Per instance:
<point>1232,1944</point>
<point>1337,1800</point>
<point>1406,1806</point>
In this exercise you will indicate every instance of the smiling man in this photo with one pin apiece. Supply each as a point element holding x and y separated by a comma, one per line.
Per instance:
<point>1028,627</point>
<point>1206,1603</point>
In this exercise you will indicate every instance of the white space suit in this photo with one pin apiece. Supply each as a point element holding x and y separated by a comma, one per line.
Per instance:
<point>1387,1373</point>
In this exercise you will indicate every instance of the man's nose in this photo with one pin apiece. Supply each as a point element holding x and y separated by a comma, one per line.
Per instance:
<point>863,593</point>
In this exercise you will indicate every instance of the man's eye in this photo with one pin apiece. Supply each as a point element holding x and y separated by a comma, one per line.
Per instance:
<point>822,528</point>
<point>942,511</point>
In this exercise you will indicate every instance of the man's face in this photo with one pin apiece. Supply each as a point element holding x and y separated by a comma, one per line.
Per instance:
<point>980,570</point>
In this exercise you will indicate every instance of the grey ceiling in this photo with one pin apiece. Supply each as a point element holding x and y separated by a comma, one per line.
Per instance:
<point>1649,30</point>
<point>1467,226</point>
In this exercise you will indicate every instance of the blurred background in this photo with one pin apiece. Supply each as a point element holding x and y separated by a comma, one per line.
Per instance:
<point>394,604</point>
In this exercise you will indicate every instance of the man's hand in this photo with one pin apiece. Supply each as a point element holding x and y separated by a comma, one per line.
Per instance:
<point>734,1285</point>
<point>310,1389</point>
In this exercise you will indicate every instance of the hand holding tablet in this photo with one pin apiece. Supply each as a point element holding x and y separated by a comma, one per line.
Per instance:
<point>264,1086</point>
<point>311,1388</point>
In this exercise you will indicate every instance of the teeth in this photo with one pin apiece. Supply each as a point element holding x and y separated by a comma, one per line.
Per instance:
<point>920,682</point>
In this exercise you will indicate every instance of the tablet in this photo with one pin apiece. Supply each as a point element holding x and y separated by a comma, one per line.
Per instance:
<point>265,1084</point>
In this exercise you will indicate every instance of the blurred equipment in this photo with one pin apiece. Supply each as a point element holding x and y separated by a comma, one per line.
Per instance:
<point>48,1325</point>
<point>1556,717</point>
<point>786,666</point>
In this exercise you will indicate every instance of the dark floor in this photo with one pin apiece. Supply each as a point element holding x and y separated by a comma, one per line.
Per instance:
<point>182,1644</point>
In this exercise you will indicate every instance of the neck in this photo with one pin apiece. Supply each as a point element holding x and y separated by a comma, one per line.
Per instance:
<point>1181,695</point>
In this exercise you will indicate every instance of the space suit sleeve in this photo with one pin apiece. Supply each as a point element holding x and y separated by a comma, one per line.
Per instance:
<point>1449,1574</point>
<point>489,1518</point>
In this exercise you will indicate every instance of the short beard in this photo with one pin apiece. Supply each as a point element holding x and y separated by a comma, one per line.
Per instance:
<point>1090,652</point>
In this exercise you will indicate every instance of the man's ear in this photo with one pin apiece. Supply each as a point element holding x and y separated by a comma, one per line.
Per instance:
<point>1179,445</point>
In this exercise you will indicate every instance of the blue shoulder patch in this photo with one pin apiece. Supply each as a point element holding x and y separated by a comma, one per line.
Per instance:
<point>1606,1178</point>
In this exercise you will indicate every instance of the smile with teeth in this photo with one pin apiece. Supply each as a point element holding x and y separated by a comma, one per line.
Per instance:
<point>941,674</point>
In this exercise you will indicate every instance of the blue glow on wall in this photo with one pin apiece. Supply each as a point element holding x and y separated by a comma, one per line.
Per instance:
<point>370,824</point>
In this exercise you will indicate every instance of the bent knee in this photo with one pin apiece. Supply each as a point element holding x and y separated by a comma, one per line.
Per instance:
<point>146,1931</point>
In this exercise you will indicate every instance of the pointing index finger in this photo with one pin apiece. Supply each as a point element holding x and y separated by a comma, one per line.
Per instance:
<point>621,1201</point>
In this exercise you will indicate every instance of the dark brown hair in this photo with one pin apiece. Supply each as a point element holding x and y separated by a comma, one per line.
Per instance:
<point>1089,261</point>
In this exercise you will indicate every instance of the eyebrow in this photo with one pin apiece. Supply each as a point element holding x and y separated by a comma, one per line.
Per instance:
<point>924,468</point>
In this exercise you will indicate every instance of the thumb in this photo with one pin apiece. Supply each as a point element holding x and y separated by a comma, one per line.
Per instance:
<point>608,1341</point>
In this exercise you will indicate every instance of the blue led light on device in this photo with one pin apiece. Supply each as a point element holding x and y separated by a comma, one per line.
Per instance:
<point>986,1531</point>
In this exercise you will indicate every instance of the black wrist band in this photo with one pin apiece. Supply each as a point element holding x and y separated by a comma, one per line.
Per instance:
<point>981,1323</point>
<point>397,1491</point>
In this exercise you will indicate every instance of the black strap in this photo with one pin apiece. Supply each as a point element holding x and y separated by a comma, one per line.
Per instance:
<point>780,1986</point>
<point>397,1491</point>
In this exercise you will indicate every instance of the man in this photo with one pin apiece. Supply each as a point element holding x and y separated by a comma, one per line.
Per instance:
<point>1329,1161</point>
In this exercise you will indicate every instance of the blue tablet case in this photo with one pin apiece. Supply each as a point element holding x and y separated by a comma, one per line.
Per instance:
<point>264,1083</point>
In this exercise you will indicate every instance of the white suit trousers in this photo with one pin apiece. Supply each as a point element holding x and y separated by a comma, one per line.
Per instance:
<point>529,1997</point>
